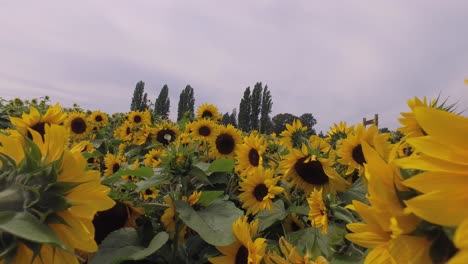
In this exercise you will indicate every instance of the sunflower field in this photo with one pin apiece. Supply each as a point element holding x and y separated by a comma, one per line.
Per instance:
<point>81,186</point>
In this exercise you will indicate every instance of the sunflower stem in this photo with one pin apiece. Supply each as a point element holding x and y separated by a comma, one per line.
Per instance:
<point>11,199</point>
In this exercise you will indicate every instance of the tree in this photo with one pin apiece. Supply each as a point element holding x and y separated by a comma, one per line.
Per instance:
<point>266,125</point>
<point>244,112</point>
<point>162,103</point>
<point>309,121</point>
<point>225,120</point>
<point>139,99</point>
<point>233,117</point>
<point>186,106</point>
<point>280,121</point>
<point>255,106</point>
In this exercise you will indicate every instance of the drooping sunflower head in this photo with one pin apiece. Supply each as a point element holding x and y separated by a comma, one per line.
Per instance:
<point>259,189</point>
<point>318,213</point>
<point>203,129</point>
<point>36,121</point>
<point>250,154</point>
<point>165,132</point>
<point>294,135</point>
<point>112,163</point>
<point>208,111</point>
<point>293,223</point>
<point>308,169</point>
<point>139,118</point>
<point>78,125</point>
<point>225,141</point>
<point>338,132</point>
<point>98,119</point>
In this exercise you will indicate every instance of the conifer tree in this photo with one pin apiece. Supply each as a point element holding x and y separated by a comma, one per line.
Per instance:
<point>186,107</point>
<point>162,103</point>
<point>255,106</point>
<point>266,125</point>
<point>139,99</point>
<point>244,112</point>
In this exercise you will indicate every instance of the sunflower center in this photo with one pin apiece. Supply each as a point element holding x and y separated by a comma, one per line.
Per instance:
<point>78,126</point>
<point>260,192</point>
<point>295,227</point>
<point>39,127</point>
<point>242,255</point>
<point>148,192</point>
<point>137,119</point>
<point>128,131</point>
<point>161,136</point>
<point>358,156</point>
<point>115,167</point>
<point>98,118</point>
<point>204,131</point>
<point>225,144</point>
<point>207,113</point>
<point>311,172</point>
<point>254,158</point>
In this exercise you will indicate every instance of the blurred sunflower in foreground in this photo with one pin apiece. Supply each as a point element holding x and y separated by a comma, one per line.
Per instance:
<point>46,185</point>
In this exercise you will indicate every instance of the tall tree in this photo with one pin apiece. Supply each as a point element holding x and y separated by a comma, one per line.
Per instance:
<point>162,103</point>
<point>244,112</point>
<point>255,106</point>
<point>266,125</point>
<point>280,121</point>
<point>309,121</point>
<point>233,117</point>
<point>186,106</point>
<point>225,120</point>
<point>140,98</point>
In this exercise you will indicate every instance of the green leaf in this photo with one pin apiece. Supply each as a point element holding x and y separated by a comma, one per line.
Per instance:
<point>213,223</point>
<point>302,209</point>
<point>222,165</point>
<point>151,182</point>
<point>117,246</point>
<point>268,217</point>
<point>356,192</point>
<point>156,243</point>
<point>203,165</point>
<point>207,197</point>
<point>199,174</point>
<point>303,239</point>
<point>144,172</point>
<point>26,226</point>
<point>94,154</point>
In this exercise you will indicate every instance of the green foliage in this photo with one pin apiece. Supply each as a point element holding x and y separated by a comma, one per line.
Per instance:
<point>244,112</point>
<point>280,121</point>
<point>222,165</point>
<point>255,106</point>
<point>139,99</point>
<point>309,121</point>
<point>162,103</point>
<point>266,125</point>
<point>186,107</point>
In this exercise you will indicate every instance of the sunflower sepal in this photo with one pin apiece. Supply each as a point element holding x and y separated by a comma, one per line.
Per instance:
<point>12,199</point>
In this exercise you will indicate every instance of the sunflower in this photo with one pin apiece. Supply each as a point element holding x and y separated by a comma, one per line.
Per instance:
<point>443,155</point>
<point>244,249</point>
<point>387,226</point>
<point>258,189</point>
<point>112,163</point>
<point>150,193</point>
<point>141,135</point>
<point>461,242</point>
<point>153,158</point>
<point>294,135</point>
<point>77,124</point>
<point>312,170</point>
<point>139,118</point>
<point>80,203</point>
<point>165,133</point>
<point>350,149</point>
<point>36,121</point>
<point>169,220</point>
<point>411,127</point>
<point>250,154</point>
<point>203,129</point>
<point>98,118</point>
<point>208,111</point>
<point>225,142</point>
<point>124,131</point>
<point>293,223</point>
<point>318,215</point>
<point>291,255</point>
<point>338,132</point>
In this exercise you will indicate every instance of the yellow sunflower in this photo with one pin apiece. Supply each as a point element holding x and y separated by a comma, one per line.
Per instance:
<point>165,133</point>
<point>150,193</point>
<point>318,213</point>
<point>225,142</point>
<point>294,135</point>
<point>293,223</point>
<point>387,226</point>
<point>208,111</point>
<point>443,155</point>
<point>141,135</point>
<point>461,242</point>
<point>169,220</point>
<point>203,129</point>
<point>244,249</point>
<point>410,126</point>
<point>307,171</point>
<point>98,118</point>
<point>153,158</point>
<point>77,125</point>
<point>139,118</point>
<point>36,121</point>
<point>291,255</point>
<point>75,229</point>
<point>112,163</point>
<point>250,154</point>
<point>338,132</point>
<point>350,149</point>
<point>124,131</point>
<point>258,190</point>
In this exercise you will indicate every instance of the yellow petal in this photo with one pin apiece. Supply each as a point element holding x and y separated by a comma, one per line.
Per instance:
<point>461,236</point>
<point>427,163</point>
<point>367,239</point>
<point>436,181</point>
<point>435,148</point>
<point>460,258</point>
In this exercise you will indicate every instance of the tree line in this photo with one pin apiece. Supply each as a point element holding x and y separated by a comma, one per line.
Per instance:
<point>255,108</point>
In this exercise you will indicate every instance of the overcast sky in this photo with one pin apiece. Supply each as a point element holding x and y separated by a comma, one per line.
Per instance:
<point>339,60</point>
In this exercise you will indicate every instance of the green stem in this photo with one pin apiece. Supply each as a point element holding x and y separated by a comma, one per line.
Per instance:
<point>11,199</point>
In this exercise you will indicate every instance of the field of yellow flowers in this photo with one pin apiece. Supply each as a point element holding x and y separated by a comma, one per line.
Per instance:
<point>87,187</point>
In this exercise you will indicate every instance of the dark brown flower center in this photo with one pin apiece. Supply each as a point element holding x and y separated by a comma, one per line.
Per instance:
<point>207,113</point>
<point>115,167</point>
<point>358,156</point>
<point>128,131</point>
<point>137,119</point>
<point>78,125</point>
<point>40,128</point>
<point>254,158</point>
<point>98,118</point>
<point>148,192</point>
<point>225,144</point>
<point>162,136</point>
<point>260,192</point>
<point>242,255</point>
<point>311,172</point>
<point>204,131</point>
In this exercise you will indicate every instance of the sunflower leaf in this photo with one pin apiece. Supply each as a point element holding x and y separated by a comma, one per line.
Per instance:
<point>144,172</point>
<point>213,223</point>
<point>207,197</point>
<point>222,165</point>
<point>156,243</point>
<point>269,217</point>
<point>199,174</point>
<point>117,246</point>
<point>26,226</point>
<point>151,182</point>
